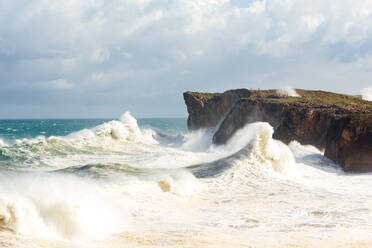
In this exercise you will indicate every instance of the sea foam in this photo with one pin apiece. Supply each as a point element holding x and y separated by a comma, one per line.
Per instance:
<point>117,182</point>
<point>50,206</point>
<point>256,143</point>
<point>113,136</point>
<point>367,93</point>
<point>287,91</point>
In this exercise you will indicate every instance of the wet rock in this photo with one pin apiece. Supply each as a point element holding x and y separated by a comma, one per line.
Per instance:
<point>340,125</point>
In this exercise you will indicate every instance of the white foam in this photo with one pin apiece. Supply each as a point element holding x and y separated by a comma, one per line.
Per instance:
<point>62,207</point>
<point>199,140</point>
<point>303,150</point>
<point>257,138</point>
<point>113,136</point>
<point>36,140</point>
<point>266,149</point>
<point>162,205</point>
<point>180,182</point>
<point>131,124</point>
<point>125,130</point>
<point>287,91</point>
<point>367,93</point>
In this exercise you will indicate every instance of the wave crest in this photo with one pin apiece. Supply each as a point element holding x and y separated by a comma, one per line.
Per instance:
<point>267,150</point>
<point>250,152</point>
<point>110,137</point>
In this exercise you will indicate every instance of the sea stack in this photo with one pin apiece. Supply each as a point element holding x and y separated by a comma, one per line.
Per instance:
<point>341,125</point>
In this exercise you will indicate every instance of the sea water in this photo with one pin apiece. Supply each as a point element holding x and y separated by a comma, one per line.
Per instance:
<point>151,183</point>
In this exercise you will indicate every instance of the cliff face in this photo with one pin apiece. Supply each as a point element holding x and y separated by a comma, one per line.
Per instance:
<point>206,110</point>
<point>351,146</point>
<point>339,124</point>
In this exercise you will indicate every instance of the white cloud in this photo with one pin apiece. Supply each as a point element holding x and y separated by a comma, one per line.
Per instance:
<point>96,76</point>
<point>57,84</point>
<point>130,47</point>
<point>99,56</point>
<point>97,26</point>
<point>257,7</point>
<point>365,62</point>
<point>313,22</point>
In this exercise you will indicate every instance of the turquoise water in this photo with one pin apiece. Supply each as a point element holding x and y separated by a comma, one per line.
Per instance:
<point>11,130</point>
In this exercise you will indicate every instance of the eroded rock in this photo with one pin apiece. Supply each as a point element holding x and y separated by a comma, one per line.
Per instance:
<point>341,125</point>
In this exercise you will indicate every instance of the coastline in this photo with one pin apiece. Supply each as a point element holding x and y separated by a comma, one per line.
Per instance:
<point>339,124</point>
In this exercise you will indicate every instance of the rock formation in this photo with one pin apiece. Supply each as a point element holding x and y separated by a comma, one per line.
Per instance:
<point>341,125</point>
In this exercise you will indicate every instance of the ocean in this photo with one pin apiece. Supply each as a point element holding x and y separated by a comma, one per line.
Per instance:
<point>151,183</point>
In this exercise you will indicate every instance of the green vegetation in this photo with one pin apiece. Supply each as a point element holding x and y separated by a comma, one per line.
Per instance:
<point>365,118</point>
<point>309,98</point>
<point>287,99</point>
<point>205,95</point>
<point>324,98</point>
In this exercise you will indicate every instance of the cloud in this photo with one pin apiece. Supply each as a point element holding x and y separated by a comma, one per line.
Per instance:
<point>123,53</point>
<point>58,84</point>
<point>313,21</point>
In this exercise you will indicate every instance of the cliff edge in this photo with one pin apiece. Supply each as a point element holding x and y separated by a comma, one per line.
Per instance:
<point>341,125</point>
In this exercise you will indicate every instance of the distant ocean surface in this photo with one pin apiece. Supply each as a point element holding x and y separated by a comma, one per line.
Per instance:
<point>151,183</point>
<point>19,129</point>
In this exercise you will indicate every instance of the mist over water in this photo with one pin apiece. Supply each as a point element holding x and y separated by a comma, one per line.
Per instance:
<point>150,183</point>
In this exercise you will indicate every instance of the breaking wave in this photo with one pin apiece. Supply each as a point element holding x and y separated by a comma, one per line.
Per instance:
<point>137,187</point>
<point>116,166</point>
<point>266,150</point>
<point>124,131</point>
<point>49,206</point>
<point>111,137</point>
<point>253,150</point>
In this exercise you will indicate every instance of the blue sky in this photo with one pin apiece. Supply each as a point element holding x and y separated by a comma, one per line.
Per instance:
<point>97,58</point>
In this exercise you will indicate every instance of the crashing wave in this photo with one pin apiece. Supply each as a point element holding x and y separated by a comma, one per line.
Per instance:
<point>126,129</point>
<point>367,94</point>
<point>267,150</point>
<point>251,150</point>
<point>49,206</point>
<point>260,148</point>
<point>112,136</point>
<point>287,92</point>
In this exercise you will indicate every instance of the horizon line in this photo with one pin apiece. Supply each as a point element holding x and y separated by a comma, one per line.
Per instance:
<point>86,118</point>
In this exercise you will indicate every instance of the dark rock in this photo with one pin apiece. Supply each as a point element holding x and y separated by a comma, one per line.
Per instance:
<point>351,146</point>
<point>341,125</point>
<point>202,107</point>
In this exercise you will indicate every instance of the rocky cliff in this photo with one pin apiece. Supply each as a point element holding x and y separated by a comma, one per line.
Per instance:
<point>341,125</point>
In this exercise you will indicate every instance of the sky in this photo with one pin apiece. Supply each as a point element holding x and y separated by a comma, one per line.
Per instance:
<point>99,58</point>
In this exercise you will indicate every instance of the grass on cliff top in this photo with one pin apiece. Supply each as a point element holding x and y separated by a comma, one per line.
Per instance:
<point>311,97</point>
<point>205,95</point>
<point>327,98</point>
